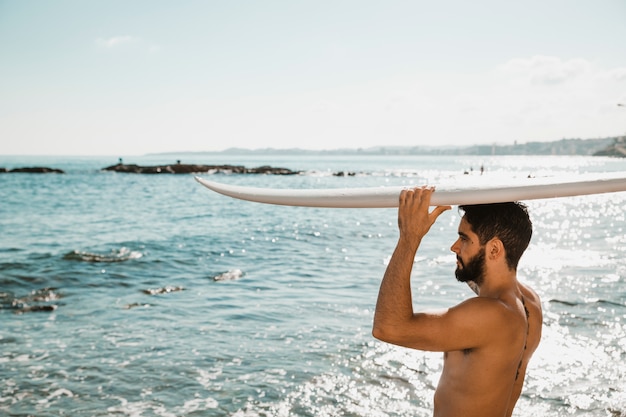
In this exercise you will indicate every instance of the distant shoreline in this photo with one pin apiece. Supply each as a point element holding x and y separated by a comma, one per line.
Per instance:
<point>581,147</point>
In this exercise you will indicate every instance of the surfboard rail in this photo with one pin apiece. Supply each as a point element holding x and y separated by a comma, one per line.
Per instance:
<point>387,196</point>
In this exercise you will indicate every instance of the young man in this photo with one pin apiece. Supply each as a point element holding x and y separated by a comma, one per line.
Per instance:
<point>487,340</point>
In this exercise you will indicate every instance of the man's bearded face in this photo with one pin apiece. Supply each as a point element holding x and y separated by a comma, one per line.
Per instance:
<point>473,270</point>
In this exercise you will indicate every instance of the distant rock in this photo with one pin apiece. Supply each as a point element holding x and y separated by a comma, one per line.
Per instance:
<point>33,170</point>
<point>194,168</point>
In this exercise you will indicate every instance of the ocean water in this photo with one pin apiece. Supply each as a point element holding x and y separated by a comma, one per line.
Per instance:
<point>142,295</point>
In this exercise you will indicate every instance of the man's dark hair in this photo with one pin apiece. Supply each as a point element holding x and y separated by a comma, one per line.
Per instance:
<point>509,222</point>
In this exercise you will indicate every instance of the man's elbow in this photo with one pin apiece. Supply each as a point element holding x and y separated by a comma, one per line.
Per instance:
<point>376,333</point>
<point>382,333</point>
<point>395,334</point>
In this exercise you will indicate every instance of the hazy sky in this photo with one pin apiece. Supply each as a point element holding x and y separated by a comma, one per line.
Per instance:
<point>133,77</point>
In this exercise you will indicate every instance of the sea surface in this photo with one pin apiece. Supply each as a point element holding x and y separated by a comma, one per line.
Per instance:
<point>149,295</point>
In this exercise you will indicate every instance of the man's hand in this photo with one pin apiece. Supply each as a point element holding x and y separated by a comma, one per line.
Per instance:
<point>414,219</point>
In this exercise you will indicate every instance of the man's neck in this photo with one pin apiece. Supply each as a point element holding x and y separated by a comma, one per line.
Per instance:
<point>494,285</point>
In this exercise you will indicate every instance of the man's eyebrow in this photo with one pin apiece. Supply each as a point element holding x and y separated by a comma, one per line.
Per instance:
<point>463,235</point>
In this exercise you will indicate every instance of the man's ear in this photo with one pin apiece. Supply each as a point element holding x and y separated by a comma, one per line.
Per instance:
<point>494,248</point>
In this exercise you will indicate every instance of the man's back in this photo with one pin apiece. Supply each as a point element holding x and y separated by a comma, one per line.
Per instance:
<point>487,380</point>
<point>535,322</point>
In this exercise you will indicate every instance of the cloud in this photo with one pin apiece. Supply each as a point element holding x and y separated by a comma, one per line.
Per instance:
<point>126,42</point>
<point>116,41</point>
<point>548,75</point>
<point>546,70</point>
<point>617,74</point>
<point>550,97</point>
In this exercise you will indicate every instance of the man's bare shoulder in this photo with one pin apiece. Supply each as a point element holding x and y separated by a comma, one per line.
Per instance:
<point>495,309</point>
<point>479,321</point>
<point>530,294</point>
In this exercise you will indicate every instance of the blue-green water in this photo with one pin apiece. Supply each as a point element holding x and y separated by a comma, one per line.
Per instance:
<point>142,295</point>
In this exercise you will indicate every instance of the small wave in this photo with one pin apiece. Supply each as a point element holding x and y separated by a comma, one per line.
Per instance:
<point>611,303</point>
<point>136,305</point>
<point>229,275</point>
<point>567,303</point>
<point>119,255</point>
<point>587,302</point>
<point>45,294</point>
<point>5,266</point>
<point>36,301</point>
<point>162,290</point>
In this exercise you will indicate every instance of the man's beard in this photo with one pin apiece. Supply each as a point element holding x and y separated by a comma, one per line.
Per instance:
<point>473,271</point>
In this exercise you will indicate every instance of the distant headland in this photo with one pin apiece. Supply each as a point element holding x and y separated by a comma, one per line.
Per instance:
<point>610,146</point>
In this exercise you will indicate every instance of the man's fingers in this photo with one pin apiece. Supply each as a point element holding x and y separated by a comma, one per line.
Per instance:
<point>422,196</point>
<point>437,210</point>
<point>416,196</point>
<point>440,209</point>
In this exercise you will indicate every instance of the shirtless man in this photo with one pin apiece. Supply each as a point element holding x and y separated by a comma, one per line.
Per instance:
<point>487,340</point>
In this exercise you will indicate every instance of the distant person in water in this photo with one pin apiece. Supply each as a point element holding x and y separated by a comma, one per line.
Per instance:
<point>487,340</point>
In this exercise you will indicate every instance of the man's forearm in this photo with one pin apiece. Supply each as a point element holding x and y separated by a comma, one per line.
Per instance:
<point>395,305</point>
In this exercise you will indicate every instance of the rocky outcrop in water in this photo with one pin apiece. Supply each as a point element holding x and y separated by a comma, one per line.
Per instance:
<point>33,170</point>
<point>196,169</point>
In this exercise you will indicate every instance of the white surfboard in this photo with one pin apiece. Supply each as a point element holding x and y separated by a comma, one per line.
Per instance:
<point>381,197</point>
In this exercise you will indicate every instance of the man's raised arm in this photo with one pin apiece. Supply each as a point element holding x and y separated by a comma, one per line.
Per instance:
<point>394,308</point>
